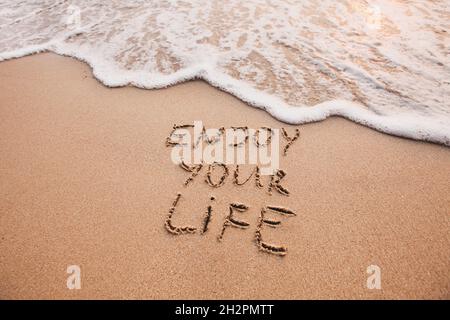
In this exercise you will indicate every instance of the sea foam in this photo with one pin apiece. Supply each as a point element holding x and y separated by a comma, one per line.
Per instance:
<point>383,63</point>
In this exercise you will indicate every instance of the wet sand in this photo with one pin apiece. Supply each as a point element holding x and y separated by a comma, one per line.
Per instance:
<point>86,179</point>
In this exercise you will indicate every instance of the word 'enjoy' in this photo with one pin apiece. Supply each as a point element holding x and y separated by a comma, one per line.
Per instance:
<point>237,136</point>
<point>194,144</point>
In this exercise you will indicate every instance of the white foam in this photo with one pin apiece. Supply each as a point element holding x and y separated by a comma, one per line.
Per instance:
<point>385,65</point>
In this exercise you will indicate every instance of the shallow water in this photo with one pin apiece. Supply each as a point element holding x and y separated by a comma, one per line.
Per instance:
<point>382,63</point>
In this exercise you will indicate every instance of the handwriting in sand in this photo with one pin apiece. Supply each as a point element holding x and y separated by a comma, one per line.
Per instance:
<point>221,172</point>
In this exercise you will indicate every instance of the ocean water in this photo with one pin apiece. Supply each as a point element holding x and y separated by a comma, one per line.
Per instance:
<point>382,63</point>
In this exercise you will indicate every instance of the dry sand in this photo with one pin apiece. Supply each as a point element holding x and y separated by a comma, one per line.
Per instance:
<point>86,179</point>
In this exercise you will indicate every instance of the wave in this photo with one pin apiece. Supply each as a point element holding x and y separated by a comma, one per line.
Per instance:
<point>384,64</point>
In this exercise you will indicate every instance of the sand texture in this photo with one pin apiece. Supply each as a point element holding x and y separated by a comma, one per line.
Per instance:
<point>86,179</point>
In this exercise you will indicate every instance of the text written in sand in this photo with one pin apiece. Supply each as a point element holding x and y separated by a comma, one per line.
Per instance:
<point>217,172</point>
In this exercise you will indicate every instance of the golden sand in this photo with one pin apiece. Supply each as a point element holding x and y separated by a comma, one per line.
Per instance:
<point>86,179</point>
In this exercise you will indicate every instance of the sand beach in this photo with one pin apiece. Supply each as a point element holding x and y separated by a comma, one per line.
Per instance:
<point>86,179</point>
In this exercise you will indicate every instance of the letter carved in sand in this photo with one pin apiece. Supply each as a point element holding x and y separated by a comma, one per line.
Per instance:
<point>216,174</point>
